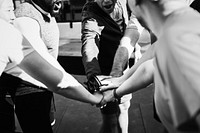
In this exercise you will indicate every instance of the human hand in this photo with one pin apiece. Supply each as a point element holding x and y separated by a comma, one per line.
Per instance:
<point>102,102</point>
<point>99,96</point>
<point>111,83</point>
<point>103,77</point>
<point>108,96</point>
<point>116,73</point>
<point>94,82</point>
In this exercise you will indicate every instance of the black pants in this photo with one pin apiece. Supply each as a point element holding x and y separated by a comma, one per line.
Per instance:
<point>7,118</point>
<point>110,115</point>
<point>32,111</point>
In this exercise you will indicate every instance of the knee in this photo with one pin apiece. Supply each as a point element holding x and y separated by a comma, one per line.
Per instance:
<point>124,106</point>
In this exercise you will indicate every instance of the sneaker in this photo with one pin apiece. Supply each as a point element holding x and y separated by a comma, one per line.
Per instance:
<point>53,122</point>
<point>52,118</point>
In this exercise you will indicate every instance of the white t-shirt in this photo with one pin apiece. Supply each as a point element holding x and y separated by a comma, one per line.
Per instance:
<point>10,45</point>
<point>35,44</point>
<point>177,73</point>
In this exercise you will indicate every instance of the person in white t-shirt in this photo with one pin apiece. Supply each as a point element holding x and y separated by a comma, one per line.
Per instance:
<point>10,46</point>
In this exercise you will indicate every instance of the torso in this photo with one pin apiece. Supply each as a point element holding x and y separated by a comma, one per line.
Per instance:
<point>49,30</point>
<point>10,48</point>
<point>49,34</point>
<point>177,59</point>
<point>111,34</point>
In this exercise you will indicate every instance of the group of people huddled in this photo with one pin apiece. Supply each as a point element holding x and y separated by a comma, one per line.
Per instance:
<point>111,32</point>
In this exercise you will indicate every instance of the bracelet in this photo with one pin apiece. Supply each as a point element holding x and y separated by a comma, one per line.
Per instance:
<point>99,105</point>
<point>115,94</point>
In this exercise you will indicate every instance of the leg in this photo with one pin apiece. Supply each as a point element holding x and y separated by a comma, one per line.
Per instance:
<point>110,115</point>
<point>123,115</point>
<point>33,110</point>
<point>52,111</point>
<point>7,118</point>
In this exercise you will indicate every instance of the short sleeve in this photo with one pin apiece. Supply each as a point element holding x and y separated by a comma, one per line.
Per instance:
<point>10,46</point>
<point>134,23</point>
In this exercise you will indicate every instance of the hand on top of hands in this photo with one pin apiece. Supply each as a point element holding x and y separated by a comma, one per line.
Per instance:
<point>108,84</point>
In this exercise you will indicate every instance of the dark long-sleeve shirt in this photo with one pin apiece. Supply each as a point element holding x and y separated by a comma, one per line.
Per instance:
<point>101,37</point>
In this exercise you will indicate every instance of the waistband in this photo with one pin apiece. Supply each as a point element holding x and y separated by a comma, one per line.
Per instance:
<point>27,88</point>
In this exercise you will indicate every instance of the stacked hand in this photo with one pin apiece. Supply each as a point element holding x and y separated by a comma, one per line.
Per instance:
<point>108,84</point>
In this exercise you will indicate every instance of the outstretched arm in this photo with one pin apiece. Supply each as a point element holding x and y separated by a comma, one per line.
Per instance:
<point>55,79</point>
<point>149,54</point>
<point>90,45</point>
<point>39,64</point>
<point>117,81</point>
<point>125,49</point>
<point>142,77</point>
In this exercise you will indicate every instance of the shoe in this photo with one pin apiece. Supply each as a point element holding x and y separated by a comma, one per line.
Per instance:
<point>53,122</point>
<point>52,118</point>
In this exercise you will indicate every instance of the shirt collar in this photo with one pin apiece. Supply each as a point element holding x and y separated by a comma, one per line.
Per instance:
<point>41,10</point>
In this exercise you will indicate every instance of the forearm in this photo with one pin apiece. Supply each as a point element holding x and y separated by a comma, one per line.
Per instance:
<point>124,51</point>
<point>43,67</point>
<point>55,79</point>
<point>90,46</point>
<point>149,54</point>
<point>54,51</point>
<point>120,62</point>
<point>142,77</point>
<point>90,58</point>
<point>71,88</point>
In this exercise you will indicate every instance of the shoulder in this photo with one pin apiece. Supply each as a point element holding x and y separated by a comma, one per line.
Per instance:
<point>23,9</point>
<point>90,9</point>
<point>11,42</point>
<point>28,27</point>
<point>27,10</point>
<point>27,23</point>
<point>89,6</point>
<point>10,36</point>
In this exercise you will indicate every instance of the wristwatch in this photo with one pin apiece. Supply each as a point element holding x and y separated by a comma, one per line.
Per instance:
<point>93,84</point>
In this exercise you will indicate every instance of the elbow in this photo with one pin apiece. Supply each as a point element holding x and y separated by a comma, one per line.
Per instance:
<point>135,38</point>
<point>148,72</point>
<point>67,82</point>
<point>55,89</point>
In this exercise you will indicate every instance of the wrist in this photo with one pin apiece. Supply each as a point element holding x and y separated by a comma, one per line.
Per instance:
<point>100,103</point>
<point>116,73</point>
<point>93,84</point>
<point>101,100</point>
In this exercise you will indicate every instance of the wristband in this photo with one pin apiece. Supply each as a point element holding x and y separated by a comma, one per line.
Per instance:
<point>99,104</point>
<point>93,84</point>
<point>115,94</point>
